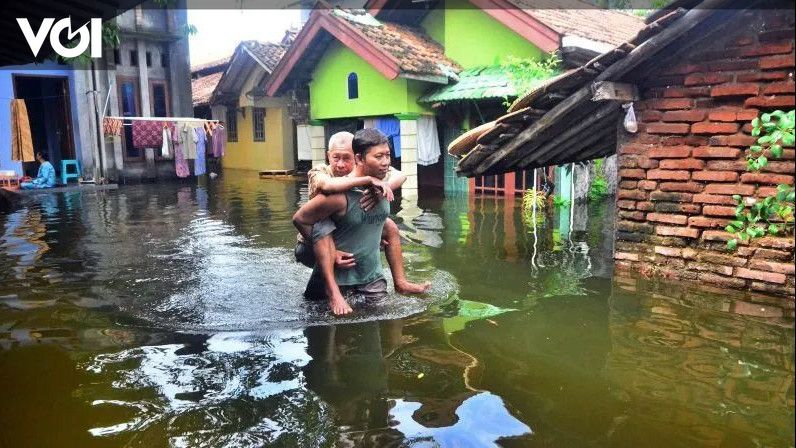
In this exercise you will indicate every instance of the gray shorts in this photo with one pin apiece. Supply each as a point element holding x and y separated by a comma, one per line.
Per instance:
<point>304,253</point>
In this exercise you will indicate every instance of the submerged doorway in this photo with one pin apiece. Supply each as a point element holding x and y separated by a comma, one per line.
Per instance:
<point>48,103</point>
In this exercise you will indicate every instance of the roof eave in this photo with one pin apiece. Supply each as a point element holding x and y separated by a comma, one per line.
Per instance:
<point>517,20</point>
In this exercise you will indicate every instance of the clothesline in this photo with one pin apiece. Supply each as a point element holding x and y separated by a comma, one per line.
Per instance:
<point>163,119</point>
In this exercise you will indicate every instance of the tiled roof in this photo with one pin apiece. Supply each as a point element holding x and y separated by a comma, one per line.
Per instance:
<point>203,88</point>
<point>267,52</point>
<point>577,18</point>
<point>218,63</point>
<point>474,84</point>
<point>416,53</point>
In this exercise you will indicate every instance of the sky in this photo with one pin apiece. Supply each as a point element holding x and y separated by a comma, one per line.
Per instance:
<point>219,31</point>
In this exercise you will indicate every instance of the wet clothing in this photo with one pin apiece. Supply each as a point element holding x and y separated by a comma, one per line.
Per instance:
<point>44,179</point>
<point>304,253</point>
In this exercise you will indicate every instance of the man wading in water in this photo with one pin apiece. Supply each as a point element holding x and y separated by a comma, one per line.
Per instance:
<point>356,226</point>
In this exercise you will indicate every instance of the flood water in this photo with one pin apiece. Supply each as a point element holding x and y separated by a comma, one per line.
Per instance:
<point>171,315</point>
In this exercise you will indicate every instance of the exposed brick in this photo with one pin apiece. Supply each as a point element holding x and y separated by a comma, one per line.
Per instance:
<point>770,101</point>
<point>647,139</point>
<point>779,87</point>
<point>632,173</point>
<point>685,232</point>
<point>730,65</point>
<point>743,190</point>
<point>772,266</point>
<point>632,148</point>
<point>726,165</point>
<point>710,267</point>
<point>776,242</point>
<point>625,256</point>
<point>770,288</point>
<point>669,103</point>
<point>701,221</point>
<point>747,114</point>
<point>772,254</point>
<point>689,253</point>
<point>780,167</point>
<point>645,206</point>
<point>690,187</point>
<point>631,194</point>
<point>743,41</point>
<point>781,61</point>
<point>675,152</point>
<point>767,49</point>
<point>669,251</point>
<point>710,257</point>
<point>718,210</point>
<point>627,205</point>
<point>709,127</point>
<point>646,163</point>
<point>682,164</point>
<point>716,152</point>
<point>667,218</point>
<point>668,241</point>
<point>647,185</point>
<point>631,214</point>
<point>651,115</point>
<point>766,178</point>
<point>668,128</point>
<point>758,75</point>
<point>741,140</point>
<point>723,115</point>
<point>684,140</point>
<point>627,226</point>
<point>715,176</point>
<point>688,116</point>
<point>630,236</point>
<point>668,175</point>
<point>776,35</point>
<point>678,207</point>
<point>716,235</point>
<point>715,279</point>
<point>771,277</point>
<point>628,162</point>
<point>763,191</point>
<point>739,89</point>
<point>628,184</point>
<point>714,199</point>
<point>696,79</point>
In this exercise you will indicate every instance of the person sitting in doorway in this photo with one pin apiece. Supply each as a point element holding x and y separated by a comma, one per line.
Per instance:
<point>317,222</point>
<point>46,176</point>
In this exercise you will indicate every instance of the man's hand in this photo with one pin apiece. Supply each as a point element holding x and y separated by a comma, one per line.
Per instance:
<point>373,194</point>
<point>344,260</point>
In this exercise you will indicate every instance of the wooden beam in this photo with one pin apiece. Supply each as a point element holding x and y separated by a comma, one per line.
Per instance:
<point>614,91</point>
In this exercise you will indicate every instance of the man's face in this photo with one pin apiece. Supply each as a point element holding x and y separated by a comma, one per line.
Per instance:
<point>341,161</point>
<point>376,161</point>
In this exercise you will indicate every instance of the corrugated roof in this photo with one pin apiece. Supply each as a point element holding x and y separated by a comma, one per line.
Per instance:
<point>475,84</point>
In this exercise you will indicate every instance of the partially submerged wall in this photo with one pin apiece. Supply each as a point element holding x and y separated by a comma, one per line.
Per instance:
<point>678,173</point>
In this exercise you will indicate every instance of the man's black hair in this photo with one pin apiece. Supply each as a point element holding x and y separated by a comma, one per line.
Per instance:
<point>365,139</point>
<point>42,155</point>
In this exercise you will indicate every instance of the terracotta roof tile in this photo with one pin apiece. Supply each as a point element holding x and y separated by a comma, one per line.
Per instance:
<point>417,54</point>
<point>218,63</point>
<point>203,88</point>
<point>267,52</point>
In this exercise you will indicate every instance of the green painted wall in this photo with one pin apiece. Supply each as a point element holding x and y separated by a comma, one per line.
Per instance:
<point>377,94</point>
<point>472,37</point>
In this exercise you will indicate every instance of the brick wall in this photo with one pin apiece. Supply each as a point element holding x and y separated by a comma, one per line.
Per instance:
<point>678,173</point>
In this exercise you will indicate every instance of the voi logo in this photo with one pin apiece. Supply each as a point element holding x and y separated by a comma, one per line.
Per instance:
<point>89,34</point>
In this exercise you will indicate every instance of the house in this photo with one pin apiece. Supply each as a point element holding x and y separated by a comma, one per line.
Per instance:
<point>204,79</point>
<point>260,131</point>
<point>421,73</point>
<point>144,76</point>
<point>697,76</point>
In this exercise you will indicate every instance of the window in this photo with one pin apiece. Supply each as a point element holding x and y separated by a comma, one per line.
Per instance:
<point>117,56</point>
<point>258,116</point>
<point>232,124</point>
<point>353,86</point>
<point>164,60</point>
<point>133,58</point>
<point>148,59</point>
<point>160,99</point>
<point>128,105</point>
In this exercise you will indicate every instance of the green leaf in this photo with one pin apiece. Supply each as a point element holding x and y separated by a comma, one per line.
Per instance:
<point>762,161</point>
<point>787,139</point>
<point>765,118</point>
<point>737,198</point>
<point>755,132</point>
<point>730,229</point>
<point>756,122</point>
<point>773,229</point>
<point>776,151</point>
<point>732,244</point>
<point>737,224</point>
<point>756,148</point>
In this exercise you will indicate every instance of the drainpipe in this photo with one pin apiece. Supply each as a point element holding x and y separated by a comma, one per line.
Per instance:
<point>99,168</point>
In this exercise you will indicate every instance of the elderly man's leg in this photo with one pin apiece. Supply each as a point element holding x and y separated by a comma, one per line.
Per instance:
<point>395,258</point>
<point>324,255</point>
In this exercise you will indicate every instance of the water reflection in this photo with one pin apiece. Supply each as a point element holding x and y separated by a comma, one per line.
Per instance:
<point>171,315</point>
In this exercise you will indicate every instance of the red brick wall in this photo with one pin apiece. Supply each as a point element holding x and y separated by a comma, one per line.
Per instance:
<point>678,173</point>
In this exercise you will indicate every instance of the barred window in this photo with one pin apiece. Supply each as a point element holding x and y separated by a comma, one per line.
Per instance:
<point>232,124</point>
<point>258,127</point>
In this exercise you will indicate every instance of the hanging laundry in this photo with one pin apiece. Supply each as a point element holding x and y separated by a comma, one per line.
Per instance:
<point>189,139</point>
<point>391,127</point>
<point>111,127</point>
<point>167,143</point>
<point>21,140</point>
<point>180,164</point>
<point>219,141</point>
<point>428,150</point>
<point>147,134</point>
<point>199,167</point>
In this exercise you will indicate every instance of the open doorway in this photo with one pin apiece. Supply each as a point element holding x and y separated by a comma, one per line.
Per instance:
<point>48,103</point>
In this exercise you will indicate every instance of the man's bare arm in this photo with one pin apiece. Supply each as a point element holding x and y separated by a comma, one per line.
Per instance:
<point>396,179</point>
<point>330,185</point>
<point>316,209</point>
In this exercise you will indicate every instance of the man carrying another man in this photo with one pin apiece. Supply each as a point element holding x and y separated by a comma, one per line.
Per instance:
<point>346,227</point>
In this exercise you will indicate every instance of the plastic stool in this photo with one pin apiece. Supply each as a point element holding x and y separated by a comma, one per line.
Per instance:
<point>65,176</point>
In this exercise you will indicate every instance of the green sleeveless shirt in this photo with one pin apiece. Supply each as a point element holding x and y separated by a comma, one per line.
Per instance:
<point>359,232</point>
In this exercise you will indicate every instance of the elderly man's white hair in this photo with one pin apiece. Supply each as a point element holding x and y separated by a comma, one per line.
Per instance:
<point>340,140</point>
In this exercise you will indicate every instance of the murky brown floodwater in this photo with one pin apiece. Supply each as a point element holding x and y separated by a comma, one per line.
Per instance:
<point>171,315</point>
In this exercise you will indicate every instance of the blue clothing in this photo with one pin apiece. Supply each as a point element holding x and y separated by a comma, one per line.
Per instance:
<point>391,127</point>
<point>201,140</point>
<point>44,179</point>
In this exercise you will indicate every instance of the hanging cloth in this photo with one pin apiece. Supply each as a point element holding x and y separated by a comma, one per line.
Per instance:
<point>21,140</point>
<point>147,134</point>
<point>189,139</point>
<point>167,130</point>
<point>180,164</point>
<point>428,150</point>
<point>369,123</point>
<point>219,141</point>
<point>391,127</point>
<point>111,127</point>
<point>199,167</point>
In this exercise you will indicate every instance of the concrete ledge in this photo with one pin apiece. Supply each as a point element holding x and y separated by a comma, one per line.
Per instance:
<point>69,188</point>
